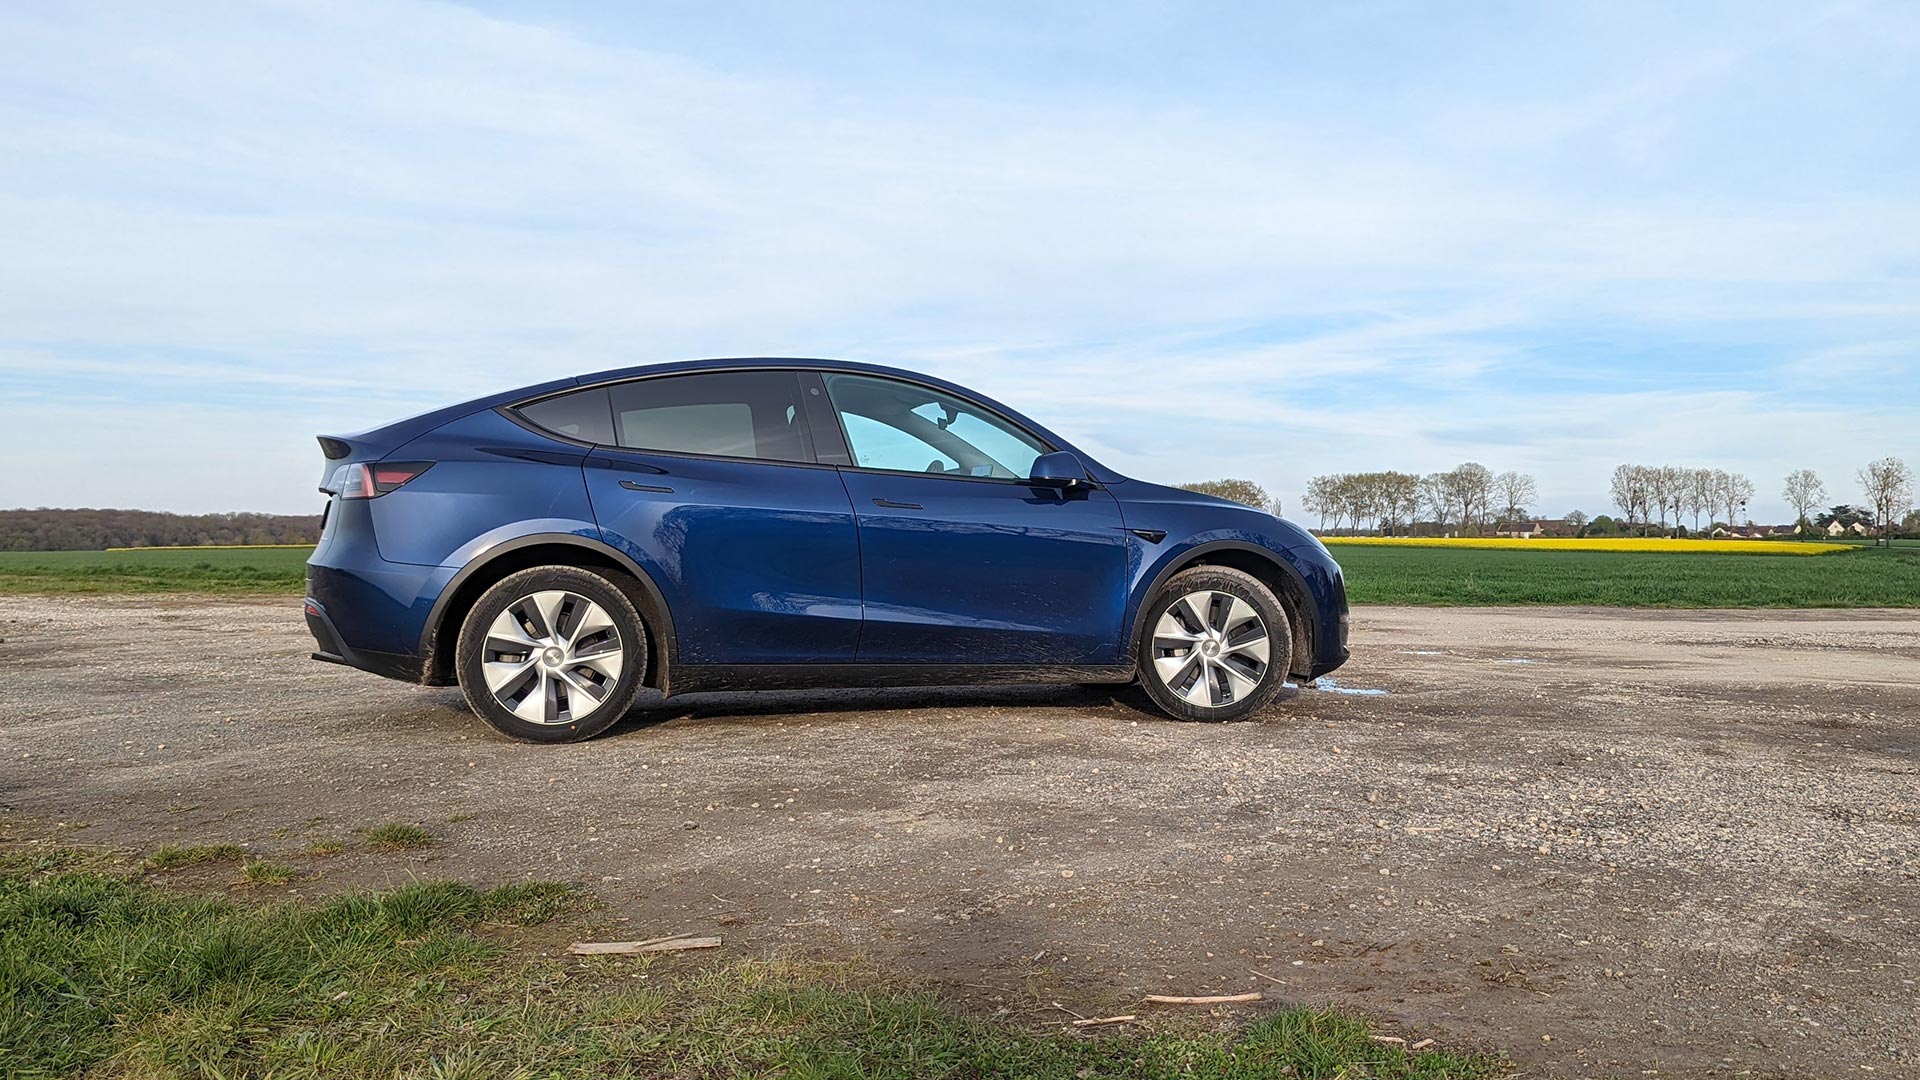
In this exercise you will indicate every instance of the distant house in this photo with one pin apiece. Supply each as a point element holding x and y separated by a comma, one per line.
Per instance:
<point>1834,528</point>
<point>1527,530</point>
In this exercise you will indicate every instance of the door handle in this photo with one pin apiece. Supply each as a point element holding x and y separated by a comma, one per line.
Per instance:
<point>891,505</point>
<point>631,486</point>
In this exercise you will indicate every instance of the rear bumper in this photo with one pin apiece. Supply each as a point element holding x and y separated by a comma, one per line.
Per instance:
<point>331,648</point>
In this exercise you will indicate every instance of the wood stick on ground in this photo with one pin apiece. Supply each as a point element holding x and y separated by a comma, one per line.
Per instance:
<point>1104,1020</point>
<point>669,943</point>
<point>1421,1045</point>
<point>1387,1038</point>
<point>1269,978</point>
<point>1223,999</point>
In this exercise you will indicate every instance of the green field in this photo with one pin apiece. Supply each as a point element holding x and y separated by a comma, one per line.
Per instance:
<point>1462,576</point>
<point>231,571</point>
<point>1375,575</point>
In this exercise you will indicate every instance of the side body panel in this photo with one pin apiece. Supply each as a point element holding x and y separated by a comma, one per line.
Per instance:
<point>985,572</point>
<point>758,561</point>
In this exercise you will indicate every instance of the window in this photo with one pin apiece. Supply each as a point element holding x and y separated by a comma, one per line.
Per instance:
<point>743,414</point>
<point>906,428</point>
<point>581,415</point>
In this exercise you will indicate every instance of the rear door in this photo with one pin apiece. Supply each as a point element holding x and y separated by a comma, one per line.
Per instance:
<point>712,485</point>
<point>963,561</point>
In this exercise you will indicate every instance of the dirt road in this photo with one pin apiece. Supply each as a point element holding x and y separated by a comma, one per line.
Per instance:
<point>1599,840</point>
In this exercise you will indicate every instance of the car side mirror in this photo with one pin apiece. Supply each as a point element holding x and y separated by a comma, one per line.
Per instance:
<point>1060,469</point>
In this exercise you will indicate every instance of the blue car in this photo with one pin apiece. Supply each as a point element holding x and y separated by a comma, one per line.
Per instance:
<point>753,524</point>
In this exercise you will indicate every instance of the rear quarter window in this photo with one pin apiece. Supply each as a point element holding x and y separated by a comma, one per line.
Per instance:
<point>583,415</point>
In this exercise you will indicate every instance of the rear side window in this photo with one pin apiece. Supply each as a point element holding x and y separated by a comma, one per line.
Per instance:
<point>741,414</point>
<point>582,415</point>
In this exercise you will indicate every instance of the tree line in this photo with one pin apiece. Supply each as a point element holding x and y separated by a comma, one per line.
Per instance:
<point>91,530</point>
<point>1467,497</point>
<point>1644,492</point>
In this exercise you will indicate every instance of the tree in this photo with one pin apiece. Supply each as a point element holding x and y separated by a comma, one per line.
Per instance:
<point>1888,484</point>
<point>1803,492</point>
<point>1847,516</point>
<point>1631,492</point>
<point>1320,499</point>
<point>1471,487</point>
<point>1437,499</point>
<point>1577,519</point>
<point>1245,492</point>
<point>1517,492</point>
<point>1699,496</point>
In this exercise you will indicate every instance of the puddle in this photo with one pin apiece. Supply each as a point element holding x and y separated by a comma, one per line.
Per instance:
<point>1422,652</point>
<point>1331,687</point>
<point>1515,660</point>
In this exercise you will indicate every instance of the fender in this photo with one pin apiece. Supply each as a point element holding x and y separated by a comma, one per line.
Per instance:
<point>1180,560</point>
<point>660,616</point>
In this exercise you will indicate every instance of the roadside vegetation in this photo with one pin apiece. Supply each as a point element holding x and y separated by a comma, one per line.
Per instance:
<point>105,976</point>
<point>1860,577</point>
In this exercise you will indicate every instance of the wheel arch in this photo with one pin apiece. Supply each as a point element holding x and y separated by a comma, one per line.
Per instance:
<point>438,640</point>
<point>1273,570</point>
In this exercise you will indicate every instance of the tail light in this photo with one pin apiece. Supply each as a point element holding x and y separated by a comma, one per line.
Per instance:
<point>370,481</point>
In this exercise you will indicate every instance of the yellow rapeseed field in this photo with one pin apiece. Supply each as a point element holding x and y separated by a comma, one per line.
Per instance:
<point>1602,543</point>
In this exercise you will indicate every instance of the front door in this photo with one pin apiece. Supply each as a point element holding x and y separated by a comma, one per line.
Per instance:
<point>962,561</point>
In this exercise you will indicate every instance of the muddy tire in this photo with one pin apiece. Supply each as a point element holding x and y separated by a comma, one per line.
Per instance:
<point>552,654</point>
<point>1216,645</point>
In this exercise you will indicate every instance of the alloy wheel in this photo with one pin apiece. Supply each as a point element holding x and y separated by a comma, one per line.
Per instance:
<point>1210,648</point>
<point>552,657</point>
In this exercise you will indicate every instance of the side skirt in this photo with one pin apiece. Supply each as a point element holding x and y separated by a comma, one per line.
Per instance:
<point>690,679</point>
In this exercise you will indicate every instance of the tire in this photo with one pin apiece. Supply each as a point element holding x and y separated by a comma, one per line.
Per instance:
<point>566,686</point>
<point>1220,671</point>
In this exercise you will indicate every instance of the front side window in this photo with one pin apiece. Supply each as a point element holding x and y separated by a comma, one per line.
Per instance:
<point>743,414</point>
<point>902,427</point>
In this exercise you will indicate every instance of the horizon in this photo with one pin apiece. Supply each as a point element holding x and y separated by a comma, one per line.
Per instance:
<point>1275,244</point>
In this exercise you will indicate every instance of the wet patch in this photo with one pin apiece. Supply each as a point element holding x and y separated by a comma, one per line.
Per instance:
<point>1331,687</point>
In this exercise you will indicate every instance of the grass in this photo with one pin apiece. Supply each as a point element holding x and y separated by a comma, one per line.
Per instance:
<point>261,872</point>
<point>175,856</point>
<point>1864,577</point>
<point>328,846</point>
<point>229,571</point>
<point>108,977</point>
<point>394,836</point>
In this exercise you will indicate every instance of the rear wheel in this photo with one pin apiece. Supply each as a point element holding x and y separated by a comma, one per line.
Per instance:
<point>1216,646</point>
<point>552,654</point>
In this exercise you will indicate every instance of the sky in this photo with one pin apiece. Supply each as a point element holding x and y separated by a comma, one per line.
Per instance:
<point>1199,240</point>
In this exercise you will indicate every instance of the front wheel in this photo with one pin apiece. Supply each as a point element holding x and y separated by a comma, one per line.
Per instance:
<point>1216,645</point>
<point>552,654</point>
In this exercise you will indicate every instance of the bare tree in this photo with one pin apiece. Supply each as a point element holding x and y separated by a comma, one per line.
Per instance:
<point>1632,491</point>
<point>1436,496</point>
<point>1472,487</point>
<point>1245,492</point>
<point>1517,492</point>
<point>1888,485</point>
<point>1700,496</point>
<point>1660,492</point>
<point>1577,519</point>
<point>1742,491</point>
<point>1803,492</point>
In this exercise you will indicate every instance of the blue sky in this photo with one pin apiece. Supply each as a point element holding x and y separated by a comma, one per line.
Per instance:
<point>1258,240</point>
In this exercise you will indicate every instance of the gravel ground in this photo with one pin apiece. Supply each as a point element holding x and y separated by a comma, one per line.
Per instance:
<point>1604,841</point>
